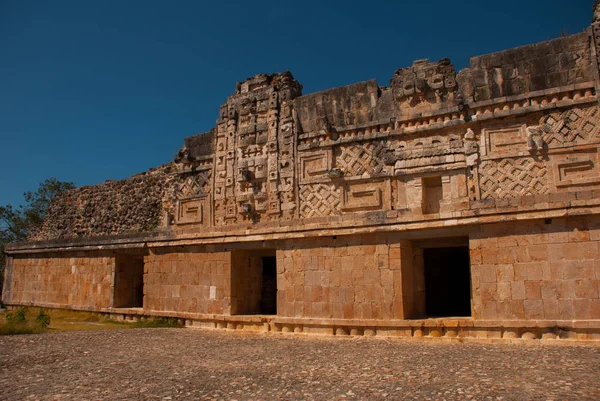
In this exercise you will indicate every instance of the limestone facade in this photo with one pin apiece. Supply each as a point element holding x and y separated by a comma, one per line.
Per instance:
<point>456,204</point>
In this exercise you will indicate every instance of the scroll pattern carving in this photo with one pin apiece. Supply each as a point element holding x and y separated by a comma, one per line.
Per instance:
<point>319,200</point>
<point>509,178</point>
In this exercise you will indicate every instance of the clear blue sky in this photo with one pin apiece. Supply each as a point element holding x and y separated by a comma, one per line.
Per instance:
<point>96,90</point>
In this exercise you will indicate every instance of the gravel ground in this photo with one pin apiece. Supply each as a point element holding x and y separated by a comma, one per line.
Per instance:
<point>140,364</point>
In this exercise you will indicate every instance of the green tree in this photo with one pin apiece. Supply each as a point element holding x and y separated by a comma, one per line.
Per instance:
<point>17,222</point>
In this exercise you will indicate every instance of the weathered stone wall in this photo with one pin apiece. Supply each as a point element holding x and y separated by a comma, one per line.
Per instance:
<point>191,280</point>
<point>82,281</point>
<point>353,278</point>
<point>553,64</point>
<point>534,271</point>
<point>136,204</point>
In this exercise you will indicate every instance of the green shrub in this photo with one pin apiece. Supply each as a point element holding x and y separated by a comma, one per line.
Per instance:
<point>43,319</point>
<point>16,323</point>
<point>18,317</point>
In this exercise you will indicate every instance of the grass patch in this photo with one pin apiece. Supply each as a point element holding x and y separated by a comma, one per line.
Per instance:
<point>16,322</point>
<point>57,320</point>
<point>9,328</point>
<point>157,322</point>
<point>39,320</point>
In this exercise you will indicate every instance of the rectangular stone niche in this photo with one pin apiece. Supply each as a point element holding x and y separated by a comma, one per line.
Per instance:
<point>433,194</point>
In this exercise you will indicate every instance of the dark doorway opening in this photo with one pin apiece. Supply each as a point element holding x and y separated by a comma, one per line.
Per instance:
<point>129,281</point>
<point>447,282</point>
<point>254,282</point>
<point>268,302</point>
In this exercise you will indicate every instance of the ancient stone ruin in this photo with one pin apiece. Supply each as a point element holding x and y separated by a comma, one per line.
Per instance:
<point>449,204</point>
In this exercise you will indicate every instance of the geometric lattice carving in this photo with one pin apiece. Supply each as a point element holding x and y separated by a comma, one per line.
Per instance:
<point>510,178</point>
<point>193,185</point>
<point>319,200</point>
<point>571,126</point>
<point>355,160</point>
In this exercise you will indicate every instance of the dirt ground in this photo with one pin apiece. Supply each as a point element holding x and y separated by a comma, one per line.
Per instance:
<point>169,364</point>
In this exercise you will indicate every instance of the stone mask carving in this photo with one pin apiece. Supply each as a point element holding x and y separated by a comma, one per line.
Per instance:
<point>423,78</point>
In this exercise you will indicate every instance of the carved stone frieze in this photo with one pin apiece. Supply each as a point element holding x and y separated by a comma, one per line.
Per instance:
<point>576,170</point>
<point>361,158</point>
<point>319,200</point>
<point>509,178</point>
<point>253,153</point>
<point>571,127</point>
<point>471,147</point>
<point>194,184</point>
<point>425,82</point>
<point>535,139</point>
<point>505,126</point>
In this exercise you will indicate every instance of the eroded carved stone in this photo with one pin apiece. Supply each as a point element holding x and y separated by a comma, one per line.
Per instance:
<point>471,147</point>
<point>535,139</point>
<point>254,150</point>
<point>425,82</point>
<point>576,125</point>
<point>335,173</point>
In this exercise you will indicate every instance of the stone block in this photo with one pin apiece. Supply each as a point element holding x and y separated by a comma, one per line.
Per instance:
<point>579,269</point>
<point>534,271</point>
<point>538,252</point>
<point>587,289</point>
<point>488,274</point>
<point>504,291</point>
<point>489,256</point>
<point>505,273</point>
<point>476,257</point>
<point>594,308</point>
<point>581,308</point>
<point>533,290</point>
<point>590,250</point>
<point>534,309</point>
<point>518,290</point>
